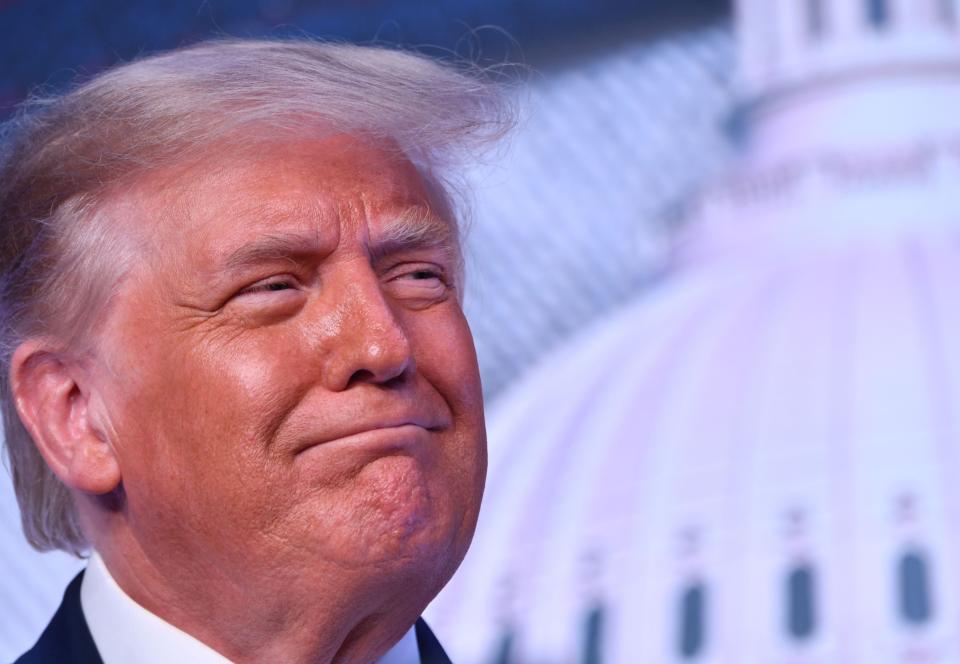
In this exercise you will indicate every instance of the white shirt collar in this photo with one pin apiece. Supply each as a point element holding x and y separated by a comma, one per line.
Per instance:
<point>124,631</point>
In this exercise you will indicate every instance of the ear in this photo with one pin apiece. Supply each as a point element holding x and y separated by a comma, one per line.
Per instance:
<point>53,400</point>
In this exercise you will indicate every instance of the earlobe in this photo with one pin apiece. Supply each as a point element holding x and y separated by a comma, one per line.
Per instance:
<point>53,402</point>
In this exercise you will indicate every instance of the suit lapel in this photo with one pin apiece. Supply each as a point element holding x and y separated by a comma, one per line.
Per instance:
<point>67,638</point>
<point>431,652</point>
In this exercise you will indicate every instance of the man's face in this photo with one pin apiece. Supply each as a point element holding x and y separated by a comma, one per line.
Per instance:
<point>290,381</point>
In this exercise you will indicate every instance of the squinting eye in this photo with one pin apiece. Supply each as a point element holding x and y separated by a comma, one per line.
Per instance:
<point>424,274</point>
<point>420,284</point>
<point>267,287</point>
<point>423,278</point>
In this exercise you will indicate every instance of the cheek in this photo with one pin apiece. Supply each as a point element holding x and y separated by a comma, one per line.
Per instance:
<point>203,412</point>
<point>445,355</point>
<point>447,360</point>
<point>239,395</point>
<point>252,386</point>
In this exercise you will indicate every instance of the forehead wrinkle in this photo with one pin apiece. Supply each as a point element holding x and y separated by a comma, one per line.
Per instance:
<point>278,212</point>
<point>305,235</point>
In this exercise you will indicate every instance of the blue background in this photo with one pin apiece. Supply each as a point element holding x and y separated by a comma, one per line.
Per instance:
<point>50,42</point>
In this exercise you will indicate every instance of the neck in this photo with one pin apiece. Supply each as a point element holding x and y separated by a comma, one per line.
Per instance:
<point>293,614</point>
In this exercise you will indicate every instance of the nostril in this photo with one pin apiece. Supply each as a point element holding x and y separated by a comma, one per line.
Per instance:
<point>361,376</point>
<point>367,376</point>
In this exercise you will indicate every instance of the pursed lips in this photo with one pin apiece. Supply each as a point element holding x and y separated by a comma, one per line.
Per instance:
<point>392,432</point>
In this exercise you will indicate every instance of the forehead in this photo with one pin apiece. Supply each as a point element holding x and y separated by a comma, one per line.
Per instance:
<point>304,186</point>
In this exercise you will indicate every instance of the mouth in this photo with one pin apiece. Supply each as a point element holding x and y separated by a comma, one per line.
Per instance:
<point>376,439</point>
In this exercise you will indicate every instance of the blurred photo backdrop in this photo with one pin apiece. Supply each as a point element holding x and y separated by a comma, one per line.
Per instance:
<point>711,284</point>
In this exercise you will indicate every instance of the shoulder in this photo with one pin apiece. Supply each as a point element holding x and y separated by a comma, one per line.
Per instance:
<point>67,638</point>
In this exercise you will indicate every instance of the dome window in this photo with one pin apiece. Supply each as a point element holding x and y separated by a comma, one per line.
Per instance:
<point>593,636</point>
<point>816,21</point>
<point>878,13</point>
<point>505,646</point>
<point>801,603</point>
<point>692,634</point>
<point>948,12</point>
<point>914,588</point>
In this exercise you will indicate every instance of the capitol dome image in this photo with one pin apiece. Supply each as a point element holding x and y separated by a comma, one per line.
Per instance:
<point>758,459</point>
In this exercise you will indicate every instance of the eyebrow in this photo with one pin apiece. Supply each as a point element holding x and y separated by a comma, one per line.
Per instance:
<point>287,246</point>
<point>414,228</point>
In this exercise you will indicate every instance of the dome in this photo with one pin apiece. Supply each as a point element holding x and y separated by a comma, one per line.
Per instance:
<point>733,437</point>
<point>755,461</point>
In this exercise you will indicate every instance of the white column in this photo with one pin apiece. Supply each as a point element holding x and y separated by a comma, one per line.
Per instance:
<point>934,10</point>
<point>913,15</point>
<point>746,36</point>
<point>906,13</point>
<point>790,28</point>
<point>847,19</point>
<point>756,43</point>
<point>813,30</point>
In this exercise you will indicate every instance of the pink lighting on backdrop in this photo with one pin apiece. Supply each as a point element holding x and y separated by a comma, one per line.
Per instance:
<point>756,462</point>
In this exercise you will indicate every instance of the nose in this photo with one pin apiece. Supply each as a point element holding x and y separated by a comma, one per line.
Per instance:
<point>369,344</point>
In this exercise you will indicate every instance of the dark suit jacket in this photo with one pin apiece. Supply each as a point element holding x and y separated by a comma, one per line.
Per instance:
<point>67,639</point>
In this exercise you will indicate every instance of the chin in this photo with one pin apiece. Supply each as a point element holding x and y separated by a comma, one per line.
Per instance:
<point>405,514</point>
